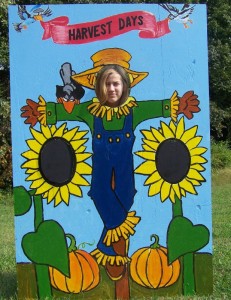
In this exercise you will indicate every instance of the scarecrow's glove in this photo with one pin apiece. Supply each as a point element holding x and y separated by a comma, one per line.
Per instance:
<point>188,105</point>
<point>34,112</point>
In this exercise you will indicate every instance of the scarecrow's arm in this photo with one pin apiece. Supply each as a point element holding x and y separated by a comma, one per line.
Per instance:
<point>56,112</point>
<point>49,113</point>
<point>188,104</point>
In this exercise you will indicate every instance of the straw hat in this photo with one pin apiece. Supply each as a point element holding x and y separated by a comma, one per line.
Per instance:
<point>107,57</point>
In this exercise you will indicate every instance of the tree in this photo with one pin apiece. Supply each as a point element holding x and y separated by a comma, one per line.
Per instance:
<point>219,32</point>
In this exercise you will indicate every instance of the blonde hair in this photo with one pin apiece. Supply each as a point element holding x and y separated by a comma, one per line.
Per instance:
<point>100,86</point>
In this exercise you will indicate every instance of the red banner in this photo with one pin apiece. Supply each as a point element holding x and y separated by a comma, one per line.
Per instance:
<point>145,22</point>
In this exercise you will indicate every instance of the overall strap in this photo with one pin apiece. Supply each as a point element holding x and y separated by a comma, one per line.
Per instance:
<point>128,123</point>
<point>98,124</point>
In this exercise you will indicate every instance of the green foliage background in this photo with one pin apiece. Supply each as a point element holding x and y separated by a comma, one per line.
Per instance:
<point>219,46</point>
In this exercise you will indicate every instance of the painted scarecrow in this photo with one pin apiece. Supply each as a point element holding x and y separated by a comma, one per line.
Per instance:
<point>112,128</point>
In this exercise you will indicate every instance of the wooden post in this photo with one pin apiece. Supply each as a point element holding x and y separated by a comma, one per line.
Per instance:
<point>122,288</point>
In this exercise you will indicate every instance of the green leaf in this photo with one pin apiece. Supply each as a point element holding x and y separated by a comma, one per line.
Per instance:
<point>22,201</point>
<point>184,237</point>
<point>48,246</point>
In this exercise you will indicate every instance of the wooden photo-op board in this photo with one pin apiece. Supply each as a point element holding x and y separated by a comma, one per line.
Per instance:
<point>111,202</point>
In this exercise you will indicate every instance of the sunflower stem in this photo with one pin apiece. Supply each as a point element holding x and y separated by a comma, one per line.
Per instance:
<point>188,274</point>
<point>42,271</point>
<point>38,211</point>
<point>188,265</point>
<point>43,281</point>
<point>177,207</point>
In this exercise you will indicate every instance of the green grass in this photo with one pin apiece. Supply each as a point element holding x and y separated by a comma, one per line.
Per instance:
<point>222,233</point>
<point>221,189</point>
<point>8,284</point>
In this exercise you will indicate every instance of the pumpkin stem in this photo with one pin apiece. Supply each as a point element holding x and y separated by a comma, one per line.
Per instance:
<point>72,246</point>
<point>155,245</point>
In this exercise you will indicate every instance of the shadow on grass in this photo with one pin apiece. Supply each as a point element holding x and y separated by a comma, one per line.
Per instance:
<point>8,285</point>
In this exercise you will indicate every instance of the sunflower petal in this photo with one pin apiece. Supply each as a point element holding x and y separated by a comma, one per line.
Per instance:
<point>80,134</point>
<point>34,176</point>
<point>148,135</point>
<point>30,154</point>
<point>146,168</point>
<point>180,128</point>
<point>176,189</point>
<point>69,135</point>
<point>197,167</point>
<point>194,181</point>
<point>46,131</point>
<point>197,159</point>
<point>198,151</point>
<point>183,193</point>
<point>153,178</point>
<point>167,132</point>
<point>187,186</point>
<point>194,174</point>
<point>31,164</point>
<point>172,195</point>
<point>160,138</point>
<point>146,147</point>
<point>43,188</point>
<point>79,180</point>
<point>78,143</point>
<point>165,191</point>
<point>83,168</point>
<point>30,171</point>
<point>60,131</point>
<point>81,149</point>
<point>172,126</point>
<point>58,199</point>
<point>153,145</point>
<point>53,129</point>
<point>37,183</point>
<point>155,188</point>
<point>34,145</point>
<point>149,155</point>
<point>82,156</point>
<point>64,193</point>
<point>75,189</point>
<point>38,136</point>
<point>51,194</point>
<point>189,134</point>
<point>194,142</point>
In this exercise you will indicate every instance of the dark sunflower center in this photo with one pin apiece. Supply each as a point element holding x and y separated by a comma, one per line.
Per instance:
<point>57,161</point>
<point>173,160</point>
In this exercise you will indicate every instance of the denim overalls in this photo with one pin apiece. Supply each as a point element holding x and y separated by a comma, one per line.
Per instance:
<point>112,153</point>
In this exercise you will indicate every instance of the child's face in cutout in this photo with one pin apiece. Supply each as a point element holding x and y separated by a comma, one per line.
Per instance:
<point>114,88</point>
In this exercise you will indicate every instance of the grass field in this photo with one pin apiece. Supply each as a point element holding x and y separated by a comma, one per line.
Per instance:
<point>221,241</point>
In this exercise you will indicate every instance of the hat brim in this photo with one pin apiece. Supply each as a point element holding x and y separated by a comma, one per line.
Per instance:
<point>88,78</point>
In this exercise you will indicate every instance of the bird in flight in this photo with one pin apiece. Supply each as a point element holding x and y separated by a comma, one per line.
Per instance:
<point>36,13</point>
<point>179,15</point>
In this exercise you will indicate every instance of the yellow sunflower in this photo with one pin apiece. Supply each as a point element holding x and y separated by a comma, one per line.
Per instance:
<point>173,160</point>
<point>56,162</point>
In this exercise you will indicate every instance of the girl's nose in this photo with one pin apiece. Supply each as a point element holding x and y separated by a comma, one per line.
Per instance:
<point>111,87</point>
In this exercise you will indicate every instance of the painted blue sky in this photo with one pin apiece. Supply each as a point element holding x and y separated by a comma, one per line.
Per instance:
<point>176,61</point>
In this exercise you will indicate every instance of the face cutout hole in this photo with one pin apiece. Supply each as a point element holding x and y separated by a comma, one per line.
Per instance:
<point>57,161</point>
<point>173,160</point>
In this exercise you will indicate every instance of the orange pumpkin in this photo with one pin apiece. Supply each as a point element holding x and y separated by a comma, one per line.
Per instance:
<point>84,271</point>
<point>149,266</point>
